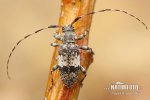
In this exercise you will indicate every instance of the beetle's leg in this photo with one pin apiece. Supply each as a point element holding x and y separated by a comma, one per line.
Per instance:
<point>84,47</point>
<point>82,35</point>
<point>53,69</point>
<point>54,44</point>
<point>57,36</point>
<point>51,73</point>
<point>83,70</point>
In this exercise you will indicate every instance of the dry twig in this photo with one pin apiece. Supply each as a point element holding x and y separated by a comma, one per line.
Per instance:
<point>70,9</point>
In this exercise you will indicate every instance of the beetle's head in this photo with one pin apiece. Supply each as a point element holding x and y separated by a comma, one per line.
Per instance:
<point>68,28</point>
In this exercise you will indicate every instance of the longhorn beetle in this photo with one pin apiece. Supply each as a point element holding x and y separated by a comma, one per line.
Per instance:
<point>68,61</point>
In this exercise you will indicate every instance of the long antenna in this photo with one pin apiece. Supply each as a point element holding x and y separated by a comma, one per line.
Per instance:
<point>116,10</point>
<point>51,26</point>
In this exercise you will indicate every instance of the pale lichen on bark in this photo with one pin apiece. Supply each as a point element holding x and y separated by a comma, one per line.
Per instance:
<point>70,9</point>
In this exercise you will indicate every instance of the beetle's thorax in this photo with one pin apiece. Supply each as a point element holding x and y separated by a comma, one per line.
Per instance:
<point>68,34</point>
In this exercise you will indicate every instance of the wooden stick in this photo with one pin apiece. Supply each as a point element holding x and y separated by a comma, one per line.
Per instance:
<point>70,9</point>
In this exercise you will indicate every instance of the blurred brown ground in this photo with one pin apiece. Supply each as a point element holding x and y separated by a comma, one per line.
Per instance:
<point>121,45</point>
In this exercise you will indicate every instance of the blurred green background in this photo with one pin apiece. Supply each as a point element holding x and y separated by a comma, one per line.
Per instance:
<point>121,45</point>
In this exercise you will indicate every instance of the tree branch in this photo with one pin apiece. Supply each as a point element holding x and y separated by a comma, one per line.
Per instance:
<point>70,9</point>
